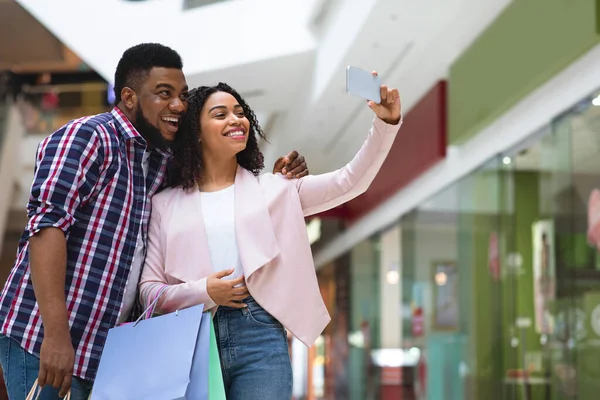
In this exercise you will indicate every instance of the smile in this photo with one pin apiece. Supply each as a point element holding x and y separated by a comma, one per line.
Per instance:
<point>236,133</point>
<point>171,120</point>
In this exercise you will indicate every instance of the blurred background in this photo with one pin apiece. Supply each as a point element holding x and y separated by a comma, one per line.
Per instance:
<point>464,271</point>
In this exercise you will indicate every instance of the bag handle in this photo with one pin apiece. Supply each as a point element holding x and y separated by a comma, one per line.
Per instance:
<point>150,309</point>
<point>36,390</point>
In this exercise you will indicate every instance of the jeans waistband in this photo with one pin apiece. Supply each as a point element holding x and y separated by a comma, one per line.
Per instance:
<point>249,301</point>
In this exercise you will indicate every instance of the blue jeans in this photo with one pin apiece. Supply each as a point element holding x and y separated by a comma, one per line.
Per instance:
<point>21,370</point>
<point>254,354</point>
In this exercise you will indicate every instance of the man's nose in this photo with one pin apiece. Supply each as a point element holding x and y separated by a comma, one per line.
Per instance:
<point>177,105</point>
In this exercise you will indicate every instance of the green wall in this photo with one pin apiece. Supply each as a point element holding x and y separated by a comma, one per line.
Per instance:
<point>479,192</point>
<point>589,350</point>
<point>493,307</point>
<point>526,212</point>
<point>529,43</point>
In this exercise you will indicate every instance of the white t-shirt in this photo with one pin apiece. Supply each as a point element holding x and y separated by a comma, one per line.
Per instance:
<point>219,222</point>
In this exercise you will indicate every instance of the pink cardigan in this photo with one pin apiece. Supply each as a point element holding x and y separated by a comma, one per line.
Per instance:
<point>271,237</point>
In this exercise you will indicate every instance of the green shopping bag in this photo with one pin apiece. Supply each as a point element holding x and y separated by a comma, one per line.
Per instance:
<point>216,389</point>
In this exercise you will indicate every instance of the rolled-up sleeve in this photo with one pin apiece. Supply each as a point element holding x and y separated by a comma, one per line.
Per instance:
<point>67,168</point>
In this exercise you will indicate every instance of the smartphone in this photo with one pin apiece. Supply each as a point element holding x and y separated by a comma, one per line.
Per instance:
<point>363,84</point>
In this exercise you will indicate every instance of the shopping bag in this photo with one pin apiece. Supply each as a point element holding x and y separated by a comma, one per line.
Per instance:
<point>36,391</point>
<point>161,358</point>
<point>216,389</point>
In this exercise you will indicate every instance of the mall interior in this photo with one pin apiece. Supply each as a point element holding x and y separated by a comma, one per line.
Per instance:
<point>465,270</point>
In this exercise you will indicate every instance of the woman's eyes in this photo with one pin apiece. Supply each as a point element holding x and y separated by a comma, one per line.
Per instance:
<point>239,115</point>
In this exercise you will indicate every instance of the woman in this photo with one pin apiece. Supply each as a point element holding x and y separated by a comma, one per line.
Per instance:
<point>223,236</point>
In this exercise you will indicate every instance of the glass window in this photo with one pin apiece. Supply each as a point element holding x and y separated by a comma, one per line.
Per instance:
<point>450,264</point>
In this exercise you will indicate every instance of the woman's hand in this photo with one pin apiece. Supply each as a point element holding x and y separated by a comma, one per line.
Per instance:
<point>390,108</point>
<point>224,292</point>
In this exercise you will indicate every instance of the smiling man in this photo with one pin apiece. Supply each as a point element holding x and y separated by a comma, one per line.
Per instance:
<point>80,257</point>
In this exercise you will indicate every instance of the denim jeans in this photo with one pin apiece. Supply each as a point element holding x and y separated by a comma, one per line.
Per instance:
<point>21,370</point>
<point>254,354</point>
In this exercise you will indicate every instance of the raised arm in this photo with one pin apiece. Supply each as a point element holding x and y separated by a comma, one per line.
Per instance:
<point>319,193</point>
<point>177,296</point>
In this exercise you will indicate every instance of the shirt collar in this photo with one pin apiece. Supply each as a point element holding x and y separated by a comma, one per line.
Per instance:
<point>128,131</point>
<point>125,127</point>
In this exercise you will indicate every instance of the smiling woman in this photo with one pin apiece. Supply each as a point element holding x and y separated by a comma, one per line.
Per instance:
<point>219,123</point>
<point>224,235</point>
<point>223,126</point>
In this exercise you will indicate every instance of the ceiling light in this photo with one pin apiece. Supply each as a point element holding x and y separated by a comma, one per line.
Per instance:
<point>392,277</point>
<point>314,230</point>
<point>441,278</point>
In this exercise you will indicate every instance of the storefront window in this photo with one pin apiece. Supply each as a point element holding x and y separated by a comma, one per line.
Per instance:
<point>450,263</point>
<point>534,173</point>
<point>552,273</point>
<point>328,358</point>
<point>364,320</point>
<point>500,289</point>
<point>573,347</point>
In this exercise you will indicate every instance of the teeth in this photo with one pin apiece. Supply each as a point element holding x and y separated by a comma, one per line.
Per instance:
<point>235,134</point>
<point>169,119</point>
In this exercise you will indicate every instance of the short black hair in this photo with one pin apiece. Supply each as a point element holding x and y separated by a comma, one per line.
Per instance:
<point>137,61</point>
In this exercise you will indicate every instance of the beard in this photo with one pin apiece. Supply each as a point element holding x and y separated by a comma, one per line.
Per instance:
<point>149,132</point>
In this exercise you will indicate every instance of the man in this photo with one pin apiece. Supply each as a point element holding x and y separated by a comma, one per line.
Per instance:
<point>80,257</point>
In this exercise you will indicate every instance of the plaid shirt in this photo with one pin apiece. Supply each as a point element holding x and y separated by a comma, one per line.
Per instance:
<point>89,183</point>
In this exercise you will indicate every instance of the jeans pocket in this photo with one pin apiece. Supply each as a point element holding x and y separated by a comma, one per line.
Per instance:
<point>19,367</point>
<point>259,316</point>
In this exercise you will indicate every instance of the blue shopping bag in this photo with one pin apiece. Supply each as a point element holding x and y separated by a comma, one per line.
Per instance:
<point>161,358</point>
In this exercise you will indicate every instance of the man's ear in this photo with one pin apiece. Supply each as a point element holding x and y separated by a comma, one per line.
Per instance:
<point>129,98</point>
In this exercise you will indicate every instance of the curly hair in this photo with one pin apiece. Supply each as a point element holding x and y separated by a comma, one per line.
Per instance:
<point>138,60</point>
<point>186,168</point>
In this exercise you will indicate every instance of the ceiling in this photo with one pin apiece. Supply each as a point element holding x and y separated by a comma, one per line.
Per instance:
<point>27,46</point>
<point>287,57</point>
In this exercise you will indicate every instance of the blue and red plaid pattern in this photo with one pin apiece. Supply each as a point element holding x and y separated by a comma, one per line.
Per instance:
<point>89,182</point>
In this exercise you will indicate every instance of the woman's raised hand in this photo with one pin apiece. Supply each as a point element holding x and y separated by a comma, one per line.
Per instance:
<point>390,108</point>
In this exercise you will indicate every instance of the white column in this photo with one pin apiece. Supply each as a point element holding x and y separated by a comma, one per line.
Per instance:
<point>390,283</point>
<point>13,132</point>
